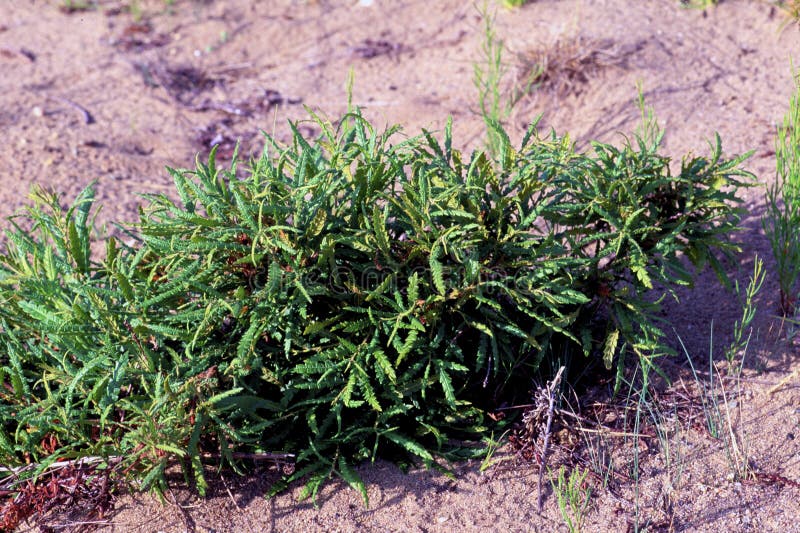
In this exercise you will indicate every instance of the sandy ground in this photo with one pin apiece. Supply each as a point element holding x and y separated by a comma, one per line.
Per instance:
<point>99,95</point>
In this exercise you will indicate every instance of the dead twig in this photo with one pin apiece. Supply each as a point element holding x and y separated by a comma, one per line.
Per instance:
<point>551,393</point>
<point>87,117</point>
<point>770,478</point>
<point>782,383</point>
<point>83,461</point>
<point>68,525</point>
<point>188,521</point>
<point>230,494</point>
<point>77,488</point>
<point>275,457</point>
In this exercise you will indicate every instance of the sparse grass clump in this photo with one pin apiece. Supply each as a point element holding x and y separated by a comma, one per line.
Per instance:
<point>354,296</point>
<point>567,65</point>
<point>488,74</point>
<point>573,495</point>
<point>781,220</point>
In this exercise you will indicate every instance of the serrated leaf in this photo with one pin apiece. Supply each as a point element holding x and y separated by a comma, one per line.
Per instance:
<point>437,274</point>
<point>353,479</point>
<point>317,224</point>
<point>409,445</point>
<point>125,286</point>
<point>447,385</point>
<point>642,275</point>
<point>385,365</point>
<point>610,348</point>
<point>77,248</point>
<point>379,229</point>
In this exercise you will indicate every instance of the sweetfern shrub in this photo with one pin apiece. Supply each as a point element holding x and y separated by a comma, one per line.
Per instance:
<point>354,296</point>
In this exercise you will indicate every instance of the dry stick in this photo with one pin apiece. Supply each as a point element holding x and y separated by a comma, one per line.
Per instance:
<point>59,464</point>
<point>87,117</point>
<point>230,494</point>
<point>261,456</point>
<point>75,524</point>
<point>783,382</point>
<point>188,521</point>
<point>8,483</point>
<point>233,500</point>
<point>551,389</point>
<point>608,433</point>
<point>89,460</point>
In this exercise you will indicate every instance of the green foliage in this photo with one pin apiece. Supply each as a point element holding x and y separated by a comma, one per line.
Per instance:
<point>488,74</point>
<point>574,496</point>
<point>791,10</point>
<point>699,4</point>
<point>77,5</point>
<point>355,296</point>
<point>741,328</point>
<point>722,407</point>
<point>781,220</point>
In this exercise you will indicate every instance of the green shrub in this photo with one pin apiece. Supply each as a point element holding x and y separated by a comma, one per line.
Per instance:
<point>356,296</point>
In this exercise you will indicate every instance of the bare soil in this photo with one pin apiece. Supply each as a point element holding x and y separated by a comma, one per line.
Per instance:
<point>115,96</point>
